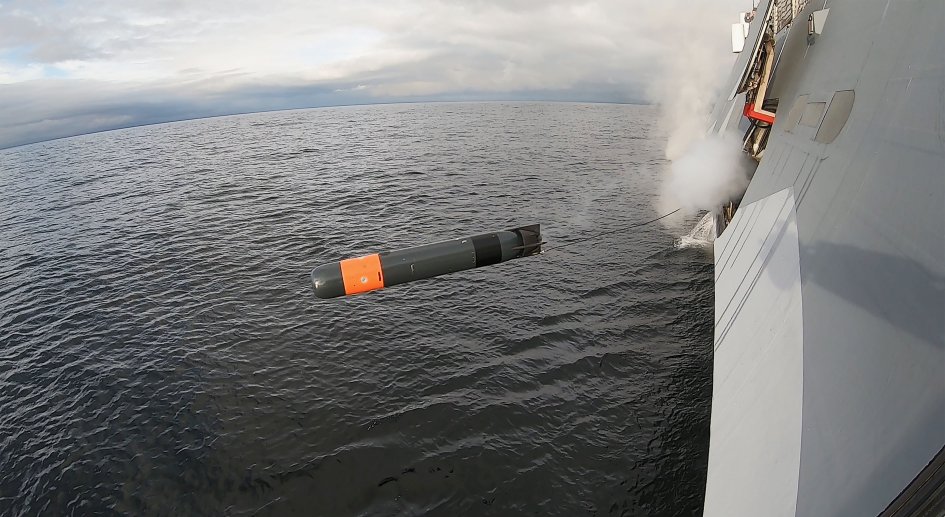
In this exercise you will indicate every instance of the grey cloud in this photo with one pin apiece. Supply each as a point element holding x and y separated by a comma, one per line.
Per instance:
<point>78,107</point>
<point>46,109</point>
<point>428,50</point>
<point>54,31</point>
<point>44,42</point>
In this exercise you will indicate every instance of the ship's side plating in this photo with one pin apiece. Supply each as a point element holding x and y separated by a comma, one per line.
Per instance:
<point>829,374</point>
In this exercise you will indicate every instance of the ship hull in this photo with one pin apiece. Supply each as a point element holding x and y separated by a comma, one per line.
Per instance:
<point>829,372</point>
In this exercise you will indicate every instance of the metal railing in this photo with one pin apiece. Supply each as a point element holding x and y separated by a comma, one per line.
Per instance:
<point>784,12</point>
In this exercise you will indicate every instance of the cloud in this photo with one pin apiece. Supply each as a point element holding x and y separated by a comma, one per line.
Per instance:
<point>73,67</point>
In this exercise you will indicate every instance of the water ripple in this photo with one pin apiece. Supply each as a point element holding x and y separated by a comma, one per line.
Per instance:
<point>162,353</point>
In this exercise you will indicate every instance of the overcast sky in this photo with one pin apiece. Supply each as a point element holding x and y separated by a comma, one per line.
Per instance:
<point>75,66</point>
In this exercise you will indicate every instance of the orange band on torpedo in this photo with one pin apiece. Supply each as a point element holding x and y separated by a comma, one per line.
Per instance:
<point>362,274</point>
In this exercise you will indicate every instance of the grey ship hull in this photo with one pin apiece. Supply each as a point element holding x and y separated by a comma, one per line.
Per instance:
<point>829,363</point>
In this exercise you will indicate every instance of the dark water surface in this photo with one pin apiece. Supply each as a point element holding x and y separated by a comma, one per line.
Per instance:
<point>162,352</point>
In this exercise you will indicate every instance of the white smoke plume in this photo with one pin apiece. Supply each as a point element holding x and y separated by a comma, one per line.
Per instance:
<point>711,171</point>
<point>705,171</point>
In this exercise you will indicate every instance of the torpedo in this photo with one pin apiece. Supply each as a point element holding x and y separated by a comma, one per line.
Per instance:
<point>380,270</point>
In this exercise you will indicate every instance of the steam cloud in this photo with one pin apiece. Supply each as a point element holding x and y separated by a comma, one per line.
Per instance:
<point>710,172</point>
<point>705,171</point>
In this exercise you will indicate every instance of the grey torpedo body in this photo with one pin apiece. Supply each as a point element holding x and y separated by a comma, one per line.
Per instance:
<point>372,272</point>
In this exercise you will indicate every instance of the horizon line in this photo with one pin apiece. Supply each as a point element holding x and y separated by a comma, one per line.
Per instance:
<point>326,106</point>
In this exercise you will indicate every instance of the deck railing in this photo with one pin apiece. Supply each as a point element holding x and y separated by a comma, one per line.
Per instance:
<point>784,12</point>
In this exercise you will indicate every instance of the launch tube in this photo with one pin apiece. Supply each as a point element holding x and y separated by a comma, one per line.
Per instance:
<point>380,270</point>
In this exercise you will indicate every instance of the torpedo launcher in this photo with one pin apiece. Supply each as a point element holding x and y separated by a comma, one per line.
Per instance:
<point>380,270</point>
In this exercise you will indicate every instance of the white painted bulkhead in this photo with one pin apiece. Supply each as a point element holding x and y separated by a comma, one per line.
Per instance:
<point>757,374</point>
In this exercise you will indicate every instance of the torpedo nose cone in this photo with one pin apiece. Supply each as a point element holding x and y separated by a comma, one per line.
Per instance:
<point>327,281</point>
